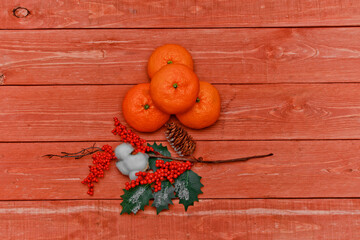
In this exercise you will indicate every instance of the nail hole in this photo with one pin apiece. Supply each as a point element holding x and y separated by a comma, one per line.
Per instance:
<point>21,12</point>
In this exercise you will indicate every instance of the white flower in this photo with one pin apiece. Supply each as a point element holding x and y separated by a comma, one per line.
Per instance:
<point>129,164</point>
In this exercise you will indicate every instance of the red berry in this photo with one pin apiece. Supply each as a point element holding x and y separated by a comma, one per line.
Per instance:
<point>101,162</point>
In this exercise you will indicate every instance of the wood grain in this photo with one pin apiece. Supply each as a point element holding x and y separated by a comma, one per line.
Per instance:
<point>210,219</point>
<point>288,76</point>
<point>178,14</point>
<point>298,169</point>
<point>286,55</point>
<point>249,112</point>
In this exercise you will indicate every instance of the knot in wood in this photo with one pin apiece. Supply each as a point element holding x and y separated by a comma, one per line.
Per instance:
<point>2,79</point>
<point>21,12</point>
<point>274,52</point>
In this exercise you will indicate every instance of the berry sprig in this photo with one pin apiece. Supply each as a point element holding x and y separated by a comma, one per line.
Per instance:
<point>166,171</point>
<point>128,136</point>
<point>101,161</point>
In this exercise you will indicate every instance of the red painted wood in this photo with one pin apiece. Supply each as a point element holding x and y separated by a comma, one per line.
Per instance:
<point>178,14</point>
<point>85,113</point>
<point>320,219</point>
<point>299,169</point>
<point>268,110</point>
<point>286,55</point>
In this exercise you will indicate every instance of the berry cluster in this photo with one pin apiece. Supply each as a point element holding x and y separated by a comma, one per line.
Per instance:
<point>129,136</point>
<point>101,161</point>
<point>167,170</point>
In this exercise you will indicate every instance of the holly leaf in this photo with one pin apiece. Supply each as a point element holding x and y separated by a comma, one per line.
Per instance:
<point>136,198</point>
<point>187,188</point>
<point>163,150</point>
<point>162,198</point>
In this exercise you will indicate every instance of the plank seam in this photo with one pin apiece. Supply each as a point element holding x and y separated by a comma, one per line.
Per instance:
<point>185,28</point>
<point>215,140</point>
<point>230,84</point>
<point>118,199</point>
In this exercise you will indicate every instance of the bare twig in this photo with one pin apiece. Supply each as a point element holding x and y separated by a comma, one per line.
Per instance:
<point>77,155</point>
<point>91,150</point>
<point>201,160</point>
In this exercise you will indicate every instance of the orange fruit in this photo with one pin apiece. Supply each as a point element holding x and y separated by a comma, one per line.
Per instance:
<point>168,54</point>
<point>206,110</point>
<point>174,88</point>
<point>139,110</point>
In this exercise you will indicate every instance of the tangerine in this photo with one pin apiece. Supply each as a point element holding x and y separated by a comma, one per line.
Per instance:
<point>139,110</point>
<point>174,88</point>
<point>168,54</point>
<point>206,110</point>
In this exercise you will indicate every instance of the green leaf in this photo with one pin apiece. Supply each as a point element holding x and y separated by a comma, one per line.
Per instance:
<point>163,150</point>
<point>187,188</point>
<point>136,198</point>
<point>162,198</point>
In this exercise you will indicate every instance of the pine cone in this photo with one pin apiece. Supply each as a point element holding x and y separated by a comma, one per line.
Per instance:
<point>180,140</point>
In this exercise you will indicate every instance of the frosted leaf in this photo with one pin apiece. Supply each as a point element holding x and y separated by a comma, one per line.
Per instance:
<point>181,190</point>
<point>187,188</point>
<point>136,208</point>
<point>162,198</point>
<point>135,197</point>
<point>163,150</point>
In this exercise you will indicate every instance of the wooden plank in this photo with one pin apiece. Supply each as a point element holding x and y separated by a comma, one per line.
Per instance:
<point>249,112</point>
<point>286,55</point>
<point>210,219</point>
<point>177,14</point>
<point>299,169</point>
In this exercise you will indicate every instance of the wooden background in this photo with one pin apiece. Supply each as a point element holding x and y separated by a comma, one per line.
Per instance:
<point>288,74</point>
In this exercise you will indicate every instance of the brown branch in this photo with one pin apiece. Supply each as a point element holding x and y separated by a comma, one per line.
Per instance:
<point>200,159</point>
<point>82,153</point>
<point>91,150</point>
